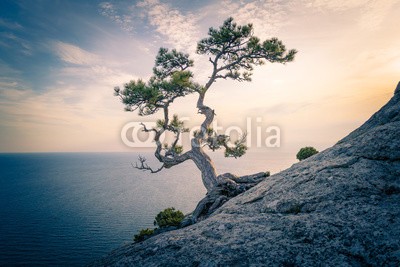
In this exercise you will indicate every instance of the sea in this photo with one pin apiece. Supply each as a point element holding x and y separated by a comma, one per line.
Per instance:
<point>68,209</point>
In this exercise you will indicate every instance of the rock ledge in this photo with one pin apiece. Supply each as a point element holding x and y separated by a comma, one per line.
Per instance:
<point>340,207</point>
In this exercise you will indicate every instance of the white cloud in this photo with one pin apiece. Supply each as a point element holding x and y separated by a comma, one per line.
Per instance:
<point>77,112</point>
<point>174,28</point>
<point>267,16</point>
<point>180,29</point>
<point>99,75</point>
<point>371,12</point>
<point>73,54</point>
<point>124,21</point>
<point>88,67</point>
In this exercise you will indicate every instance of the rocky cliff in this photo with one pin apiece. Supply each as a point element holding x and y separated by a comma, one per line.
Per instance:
<point>340,207</point>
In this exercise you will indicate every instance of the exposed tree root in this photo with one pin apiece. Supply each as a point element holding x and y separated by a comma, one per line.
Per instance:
<point>229,186</point>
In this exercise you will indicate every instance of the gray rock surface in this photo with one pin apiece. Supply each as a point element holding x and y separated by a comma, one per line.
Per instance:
<point>340,207</point>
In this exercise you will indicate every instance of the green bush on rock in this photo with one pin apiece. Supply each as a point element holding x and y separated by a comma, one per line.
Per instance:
<point>166,218</point>
<point>306,152</point>
<point>143,234</point>
<point>169,217</point>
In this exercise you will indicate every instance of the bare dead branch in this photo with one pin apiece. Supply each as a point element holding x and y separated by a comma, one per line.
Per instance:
<point>143,166</point>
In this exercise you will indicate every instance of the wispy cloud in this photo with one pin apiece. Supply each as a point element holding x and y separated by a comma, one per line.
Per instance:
<point>373,62</point>
<point>179,29</point>
<point>10,25</point>
<point>267,16</point>
<point>11,83</point>
<point>70,107</point>
<point>373,16</point>
<point>7,71</point>
<point>172,26</point>
<point>10,40</point>
<point>164,24</point>
<point>371,13</point>
<point>69,114</point>
<point>85,65</point>
<point>108,10</point>
<point>10,92</point>
<point>73,54</point>
<point>65,101</point>
<point>100,75</point>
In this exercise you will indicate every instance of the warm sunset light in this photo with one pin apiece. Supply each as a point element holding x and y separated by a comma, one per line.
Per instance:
<point>60,60</point>
<point>199,133</point>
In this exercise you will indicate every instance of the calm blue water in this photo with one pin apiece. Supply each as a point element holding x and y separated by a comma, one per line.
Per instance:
<point>70,208</point>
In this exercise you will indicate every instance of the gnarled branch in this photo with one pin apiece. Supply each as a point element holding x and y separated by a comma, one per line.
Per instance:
<point>143,166</point>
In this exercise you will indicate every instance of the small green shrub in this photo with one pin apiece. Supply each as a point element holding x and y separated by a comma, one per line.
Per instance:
<point>143,234</point>
<point>166,218</point>
<point>306,152</point>
<point>169,217</point>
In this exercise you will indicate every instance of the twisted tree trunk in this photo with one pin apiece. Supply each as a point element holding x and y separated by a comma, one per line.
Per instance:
<point>206,167</point>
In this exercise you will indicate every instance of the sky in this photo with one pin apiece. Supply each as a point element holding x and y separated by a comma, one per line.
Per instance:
<point>60,60</point>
